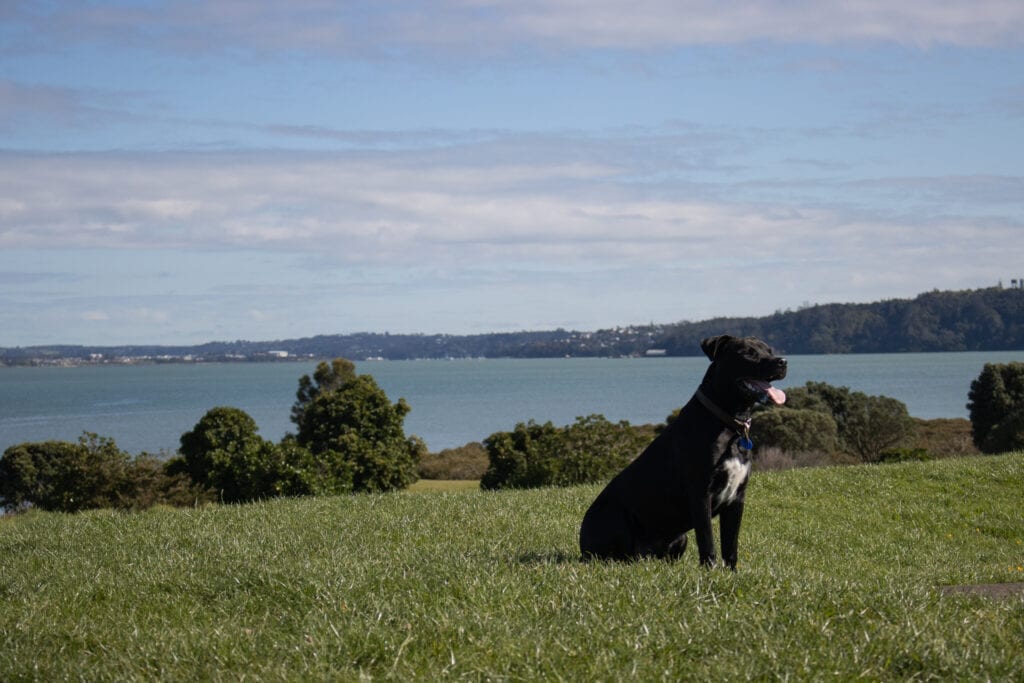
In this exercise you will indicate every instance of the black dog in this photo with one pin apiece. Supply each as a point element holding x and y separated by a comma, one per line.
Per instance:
<point>697,468</point>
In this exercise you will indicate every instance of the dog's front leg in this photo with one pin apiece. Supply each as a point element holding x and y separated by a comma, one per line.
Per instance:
<point>700,512</point>
<point>729,524</point>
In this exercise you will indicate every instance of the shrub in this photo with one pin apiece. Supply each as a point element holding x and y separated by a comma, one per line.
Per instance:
<point>795,430</point>
<point>590,450</point>
<point>943,437</point>
<point>521,458</point>
<point>354,427</point>
<point>997,407</point>
<point>866,425</point>
<point>93,473</point>
<point>225,453</point>
<point>328,473</point>
<point>465,462</point>
<point>63,476</point>
<point>152,481</point>
<point>595,449</point>
<point>350,437</point>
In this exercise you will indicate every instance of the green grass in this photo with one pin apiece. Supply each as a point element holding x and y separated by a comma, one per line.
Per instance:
<point>839,575</point>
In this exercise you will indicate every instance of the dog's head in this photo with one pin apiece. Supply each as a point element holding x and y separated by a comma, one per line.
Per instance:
<point>742,370</point>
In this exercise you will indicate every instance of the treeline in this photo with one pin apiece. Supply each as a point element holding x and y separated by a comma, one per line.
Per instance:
<point>990,319</point>
<point>359,346</point>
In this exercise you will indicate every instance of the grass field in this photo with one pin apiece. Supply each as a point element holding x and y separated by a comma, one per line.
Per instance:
<point>839,577</point>
<point>444,485</point>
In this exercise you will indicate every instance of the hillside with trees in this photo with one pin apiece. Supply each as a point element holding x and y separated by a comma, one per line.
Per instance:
<point>990,319</point>
<point>972,320</point>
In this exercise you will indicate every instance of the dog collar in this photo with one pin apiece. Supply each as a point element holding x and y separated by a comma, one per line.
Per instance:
<point>741,427</point>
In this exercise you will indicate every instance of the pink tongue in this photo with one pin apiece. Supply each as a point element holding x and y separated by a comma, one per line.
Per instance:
<point>778,396</point>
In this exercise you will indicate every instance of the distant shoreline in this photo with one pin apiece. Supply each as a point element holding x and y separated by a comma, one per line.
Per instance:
<point>990,319</point>
<point>122,361</point>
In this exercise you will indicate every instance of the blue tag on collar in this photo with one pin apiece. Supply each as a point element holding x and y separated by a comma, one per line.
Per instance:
<point>746,444</point>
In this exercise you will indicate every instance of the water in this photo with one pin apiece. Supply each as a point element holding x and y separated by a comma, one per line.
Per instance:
<point>148,407</point>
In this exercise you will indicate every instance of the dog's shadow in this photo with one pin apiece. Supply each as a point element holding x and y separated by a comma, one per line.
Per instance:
<point>540,559</point>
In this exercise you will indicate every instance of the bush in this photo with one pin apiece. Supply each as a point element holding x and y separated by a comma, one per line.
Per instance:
<point>225,453</point>
<point>866,425</point>
<point>62,476</point>
<point>467,462</point>
<point>595,449</point>
<point>354,427</point>
<point>329,473</point>
<point>152,481</point>
<point>521,458</point>
<point>997,408</point>
<point>794,430</point>
<point>943,437</point>
<point>350,438</point>
<point>591,449</point>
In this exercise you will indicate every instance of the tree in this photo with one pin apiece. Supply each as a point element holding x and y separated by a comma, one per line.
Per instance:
<point>351,427</point>
<point>866,425</point>
<point>350,437</point>
<point>326,378</point>
<point>64,476</point>
<point>594,449</point>
<point>589,450</point>
<point>521,458</point>
<point>224,452</point>
<point>996,407</point>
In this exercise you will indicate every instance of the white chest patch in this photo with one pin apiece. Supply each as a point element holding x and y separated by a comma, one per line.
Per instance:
<point>736,473</point>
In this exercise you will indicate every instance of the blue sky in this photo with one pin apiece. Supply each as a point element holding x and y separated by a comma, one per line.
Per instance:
<point>181,172</point>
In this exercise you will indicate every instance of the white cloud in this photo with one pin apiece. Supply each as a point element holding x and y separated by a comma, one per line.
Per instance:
<point>483,27</point>
<point>364,211</point>
<point>665,23</point>
<point>512,232</point>
<point>379,211</point>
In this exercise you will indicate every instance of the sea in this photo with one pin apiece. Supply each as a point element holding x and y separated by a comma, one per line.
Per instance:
<point>146,408</point>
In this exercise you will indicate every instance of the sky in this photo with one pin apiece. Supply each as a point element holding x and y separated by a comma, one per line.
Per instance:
<point>176,172</point>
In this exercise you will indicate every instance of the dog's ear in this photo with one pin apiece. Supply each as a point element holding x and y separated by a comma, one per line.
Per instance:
<point>711,345</point>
